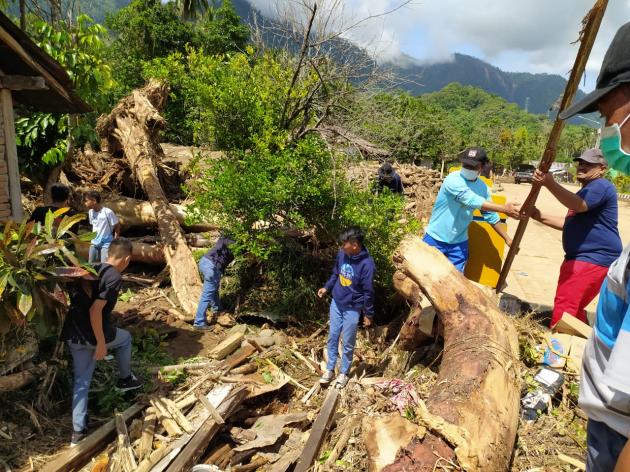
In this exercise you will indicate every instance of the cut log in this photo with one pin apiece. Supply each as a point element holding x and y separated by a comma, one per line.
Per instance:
<point>9,383</point>
<point>319,431</point>
<point>134,213</point>
<point>133,126</point>
<point>78,456</point>
<point>140,252</point>
<point>472,411</point>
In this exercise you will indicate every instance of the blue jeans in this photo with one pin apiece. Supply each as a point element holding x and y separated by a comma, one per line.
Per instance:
<point>603,447</point>
<point>343,323</point>
<point>83,363</point>
<point>209,291</point>
<point>98,253</point>
<point>456,253</point>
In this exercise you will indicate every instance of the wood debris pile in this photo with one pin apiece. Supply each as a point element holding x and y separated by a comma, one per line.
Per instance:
<point>421,185</point>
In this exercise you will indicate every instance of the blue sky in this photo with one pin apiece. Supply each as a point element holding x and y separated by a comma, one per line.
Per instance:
<point>515,35</point>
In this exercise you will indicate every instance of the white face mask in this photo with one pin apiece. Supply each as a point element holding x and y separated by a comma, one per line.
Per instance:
<point>469,174</point>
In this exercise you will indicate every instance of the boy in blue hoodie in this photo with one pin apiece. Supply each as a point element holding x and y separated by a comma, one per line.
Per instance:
<point>352,286</point>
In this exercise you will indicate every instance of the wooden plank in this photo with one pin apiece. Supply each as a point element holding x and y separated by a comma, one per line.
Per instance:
<point>165,417</point>
<point>11,157</point>
<point>319,431</point>
<point>229,344</point>
<point>211,409</point>
<point>197,445</point>
<point>13,44</point>
<point>240,356</point>
<point>23,82</point>
<point>124,446</point>
<point>78,456</point>
<point>146,439</point>
<point>569,324</point>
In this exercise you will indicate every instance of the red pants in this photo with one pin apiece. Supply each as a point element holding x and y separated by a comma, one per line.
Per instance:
<point>578,284</point>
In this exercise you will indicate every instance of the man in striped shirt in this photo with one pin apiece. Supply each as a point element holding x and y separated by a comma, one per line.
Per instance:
<point>605,379</point>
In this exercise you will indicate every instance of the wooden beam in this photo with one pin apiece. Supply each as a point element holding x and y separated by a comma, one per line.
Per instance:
<point>230,344</point>
<point>23,82</point>
<point>19,50</point>
<point>197,445</point>
<point>318,433</point>
<point>15,194</point>
<point>78,456</point>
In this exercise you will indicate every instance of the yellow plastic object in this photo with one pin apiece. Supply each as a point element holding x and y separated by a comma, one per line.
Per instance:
<point>485,246</point>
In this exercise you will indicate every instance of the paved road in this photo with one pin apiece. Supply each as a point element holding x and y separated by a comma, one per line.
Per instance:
<point>535,270</point>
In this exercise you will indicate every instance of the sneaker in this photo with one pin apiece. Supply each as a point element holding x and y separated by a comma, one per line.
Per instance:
<point>77,437</point>
<point>327,377</point>
<point>341,381</point>
<point>130,383</point>
<point>203,327</point>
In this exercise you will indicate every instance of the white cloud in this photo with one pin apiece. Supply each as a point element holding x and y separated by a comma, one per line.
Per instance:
<point>516,35</point>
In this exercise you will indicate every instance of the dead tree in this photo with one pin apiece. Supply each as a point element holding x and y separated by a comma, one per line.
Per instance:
<point>472,412</point>
<point>133,128</point>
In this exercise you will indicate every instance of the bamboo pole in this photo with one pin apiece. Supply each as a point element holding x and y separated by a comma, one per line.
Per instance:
<point>591,23</point>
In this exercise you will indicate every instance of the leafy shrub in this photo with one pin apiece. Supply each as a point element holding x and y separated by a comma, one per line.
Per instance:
<point>35,261</point>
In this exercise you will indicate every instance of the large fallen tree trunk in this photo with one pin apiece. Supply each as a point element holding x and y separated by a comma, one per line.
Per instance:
<point>133,127</point>
<point>133,213</point>
<point>140,252</point>
<point>472,412</point>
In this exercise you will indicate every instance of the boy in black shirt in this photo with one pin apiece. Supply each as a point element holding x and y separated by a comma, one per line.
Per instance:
<point>59,194</point>
<point>89,332</point>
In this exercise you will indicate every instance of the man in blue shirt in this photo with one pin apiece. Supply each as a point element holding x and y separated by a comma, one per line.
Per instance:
<point>590,237</point>
<point>605,379</point>
<point>461,193</point>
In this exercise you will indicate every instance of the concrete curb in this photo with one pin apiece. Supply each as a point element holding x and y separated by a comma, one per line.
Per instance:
<point>624,196</point>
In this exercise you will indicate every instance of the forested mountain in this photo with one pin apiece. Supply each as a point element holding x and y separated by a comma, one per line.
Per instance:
<point>534,92</point>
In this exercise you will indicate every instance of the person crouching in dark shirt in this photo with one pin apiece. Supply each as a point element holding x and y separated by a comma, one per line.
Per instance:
<point>388,177</point>
<point>90,333</point>
<point>59,194</point>
<point>212,265</point>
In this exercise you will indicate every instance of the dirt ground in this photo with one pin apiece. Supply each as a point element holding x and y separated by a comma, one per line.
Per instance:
<point>535,270</point>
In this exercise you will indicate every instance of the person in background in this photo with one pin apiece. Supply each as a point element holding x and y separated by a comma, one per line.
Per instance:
<point>212,265</point>
<point>590,237</point>
<point>90,333</point>
<point>388,177</point>
<point>59,194</point>
<point>605,378</point>
<point>104,223</point>
<point>352,287</point>
<point>461,193</point>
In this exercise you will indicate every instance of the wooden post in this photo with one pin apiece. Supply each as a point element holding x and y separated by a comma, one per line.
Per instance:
<point>587,37</point>
<point>13,171</point>
<point>77,457</point>
<point>318,433</point>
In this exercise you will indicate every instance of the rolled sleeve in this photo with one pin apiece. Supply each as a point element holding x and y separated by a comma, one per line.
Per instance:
<point>491,217</point>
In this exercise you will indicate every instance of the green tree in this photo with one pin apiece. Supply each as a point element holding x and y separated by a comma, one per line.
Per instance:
<point>80,49</point>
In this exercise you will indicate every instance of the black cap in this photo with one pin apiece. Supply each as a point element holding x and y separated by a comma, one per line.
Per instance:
<point>473,156</point>
<point>614,72</point>
<point>386,169</point>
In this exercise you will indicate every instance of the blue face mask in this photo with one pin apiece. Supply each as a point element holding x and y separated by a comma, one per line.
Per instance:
<point>610,144</point>
<point>469,174</point>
